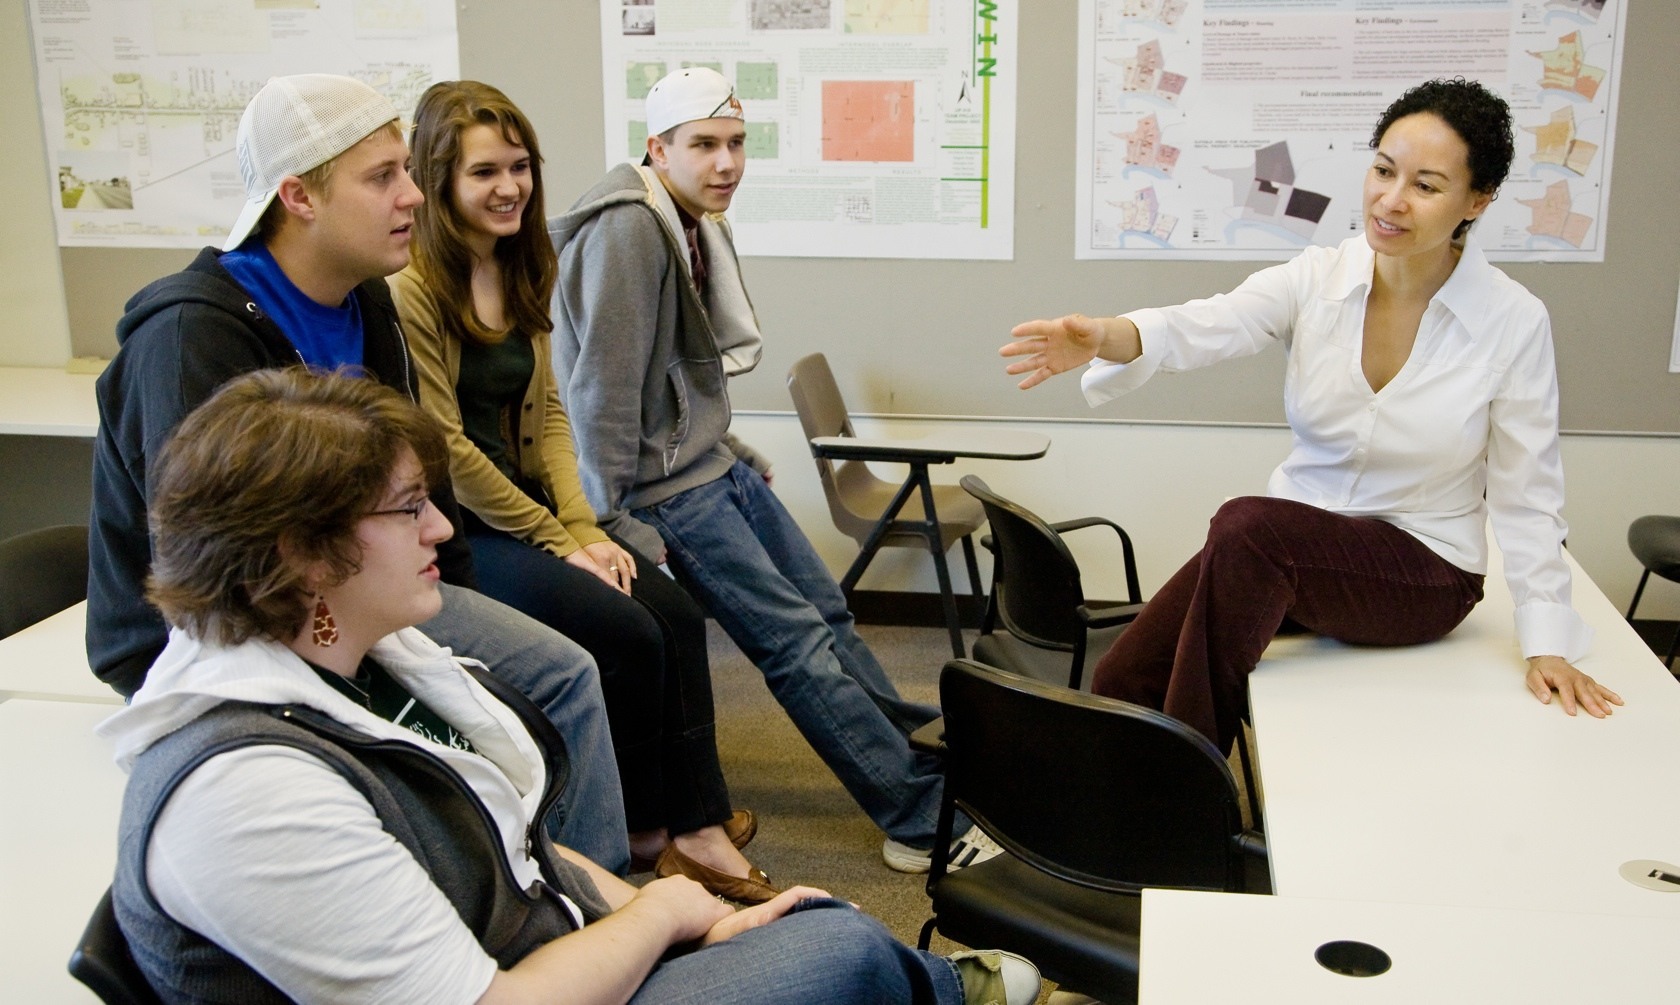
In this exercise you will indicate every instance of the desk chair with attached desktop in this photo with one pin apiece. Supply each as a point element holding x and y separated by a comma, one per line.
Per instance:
<point>870,510</point>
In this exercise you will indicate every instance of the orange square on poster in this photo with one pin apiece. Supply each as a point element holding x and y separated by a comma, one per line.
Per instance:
<point>868,120</point>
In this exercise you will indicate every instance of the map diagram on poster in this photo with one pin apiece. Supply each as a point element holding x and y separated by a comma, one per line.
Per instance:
<point>140,99</point>
<point>875,128</point>
<point>1241,128</point>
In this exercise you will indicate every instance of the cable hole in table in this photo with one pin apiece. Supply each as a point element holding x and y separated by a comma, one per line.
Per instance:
<point>1352,959</point>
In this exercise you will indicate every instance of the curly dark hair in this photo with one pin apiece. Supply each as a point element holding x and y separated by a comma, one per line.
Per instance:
<point>273,471</point>
<point>1479,117</point>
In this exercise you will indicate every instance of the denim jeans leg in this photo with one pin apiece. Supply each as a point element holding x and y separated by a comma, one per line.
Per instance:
<point>561,679</point>
<point>745,562</point>
<point>804,568</point>
<point>824,951</point>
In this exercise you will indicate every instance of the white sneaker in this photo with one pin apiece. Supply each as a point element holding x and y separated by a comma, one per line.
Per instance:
<point>996,977</point>
<point>972,848</point>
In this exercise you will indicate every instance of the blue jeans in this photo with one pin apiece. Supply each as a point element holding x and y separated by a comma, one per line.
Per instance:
<point>739,551</point>
<point>823,951</point>
<point>556,674</point>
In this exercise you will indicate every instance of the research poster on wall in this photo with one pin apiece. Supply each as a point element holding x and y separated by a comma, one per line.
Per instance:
<point>875,128</point>
<point>1240,129</point>
<point>140,99</point>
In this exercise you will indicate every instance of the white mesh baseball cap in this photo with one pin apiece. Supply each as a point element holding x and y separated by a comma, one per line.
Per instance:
<point>697,92</point>
<point>296,123</point>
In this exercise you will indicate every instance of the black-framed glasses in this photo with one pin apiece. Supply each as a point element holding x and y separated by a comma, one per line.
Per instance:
<point>412,510</point>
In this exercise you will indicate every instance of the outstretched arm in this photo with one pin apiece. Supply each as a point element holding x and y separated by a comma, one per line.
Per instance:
<point>1046,348</point>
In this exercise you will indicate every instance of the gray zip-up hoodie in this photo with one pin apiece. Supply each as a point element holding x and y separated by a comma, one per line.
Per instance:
<point>642,359</point>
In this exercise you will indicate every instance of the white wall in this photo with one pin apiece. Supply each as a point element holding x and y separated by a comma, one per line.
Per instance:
<point>1163,481</point>
<point>36,330</point>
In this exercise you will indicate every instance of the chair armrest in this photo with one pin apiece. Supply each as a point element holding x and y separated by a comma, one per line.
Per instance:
<point>930,738</point>
<point>1252,844</point>
<point>1107,617</point>
<point>1133,593</point>
<point>1082,523</point>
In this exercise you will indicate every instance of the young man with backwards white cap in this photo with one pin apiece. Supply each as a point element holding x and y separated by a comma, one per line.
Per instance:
<point>300,280</point>
<point>651,319</point>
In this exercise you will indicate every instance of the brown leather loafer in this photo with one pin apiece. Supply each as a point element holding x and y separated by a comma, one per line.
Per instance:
<point>754,888</point>
<point>741,828</point>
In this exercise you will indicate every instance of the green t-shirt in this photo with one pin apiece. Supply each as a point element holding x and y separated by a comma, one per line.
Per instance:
<point>376,690</point>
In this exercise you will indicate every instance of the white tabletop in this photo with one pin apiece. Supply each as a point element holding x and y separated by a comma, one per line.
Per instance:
<point>941,447</point>
<point>1217,947</point>
<point>60,795</point>
<point>48,660</point>
<point>40,401</point>
<point>1429,774</point>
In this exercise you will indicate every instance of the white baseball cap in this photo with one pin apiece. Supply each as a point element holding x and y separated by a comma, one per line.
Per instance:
<point>696,92</point>
<point>296,123</point>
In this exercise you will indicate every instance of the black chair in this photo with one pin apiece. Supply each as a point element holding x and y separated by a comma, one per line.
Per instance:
<point>1050,631</point>
<point>102,961</point>
<point>1655,541</point>
<point>1092,799</point>
<point>41,573</point>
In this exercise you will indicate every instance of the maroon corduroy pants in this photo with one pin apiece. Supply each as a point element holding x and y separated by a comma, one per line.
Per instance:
<point>1354,579</point>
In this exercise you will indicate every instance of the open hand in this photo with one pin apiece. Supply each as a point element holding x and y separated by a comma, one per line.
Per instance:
<point>1574,688</point>
<point>1046,348</point>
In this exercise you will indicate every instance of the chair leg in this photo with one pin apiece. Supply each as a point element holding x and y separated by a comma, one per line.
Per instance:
<point>1076,673</point>
<point>927,934</point>
<point>1248,779</point>
<point>973,567</point>
<point>1637,592</point>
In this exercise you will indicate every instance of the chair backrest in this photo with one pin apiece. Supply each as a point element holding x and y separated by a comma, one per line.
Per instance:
<point>1092,790</point>
<point>822,412</point>
<point>103,962</point>
<point>1035,579</point>
<point>41,573</point>
<point>816,397</point>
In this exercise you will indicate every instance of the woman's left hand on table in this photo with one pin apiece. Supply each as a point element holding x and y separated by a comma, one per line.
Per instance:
<point>1547,674</point>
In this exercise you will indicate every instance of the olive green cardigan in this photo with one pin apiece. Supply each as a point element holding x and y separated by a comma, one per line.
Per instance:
<point>542,450</point>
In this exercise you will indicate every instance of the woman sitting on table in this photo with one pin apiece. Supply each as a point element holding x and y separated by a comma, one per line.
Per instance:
<point>1421,393</point>
<point>325,806</point>
<point>474,304</point>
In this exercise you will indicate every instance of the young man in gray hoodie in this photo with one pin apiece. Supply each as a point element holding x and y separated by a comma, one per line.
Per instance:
<point>651,319</point>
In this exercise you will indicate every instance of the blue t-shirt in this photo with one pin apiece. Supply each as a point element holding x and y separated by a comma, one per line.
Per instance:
<point>326,337</point>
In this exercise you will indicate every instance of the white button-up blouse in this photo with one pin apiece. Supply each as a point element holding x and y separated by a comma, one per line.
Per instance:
<point>1467,429</point>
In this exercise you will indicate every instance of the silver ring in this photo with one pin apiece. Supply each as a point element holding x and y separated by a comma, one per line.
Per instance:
<point>612,568</point>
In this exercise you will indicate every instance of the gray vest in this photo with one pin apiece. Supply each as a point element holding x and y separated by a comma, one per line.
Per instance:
<point>423,804</point>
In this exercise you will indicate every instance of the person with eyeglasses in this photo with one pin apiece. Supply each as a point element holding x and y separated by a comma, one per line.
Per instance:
<point>300,279</point>
<point>323,805</point>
